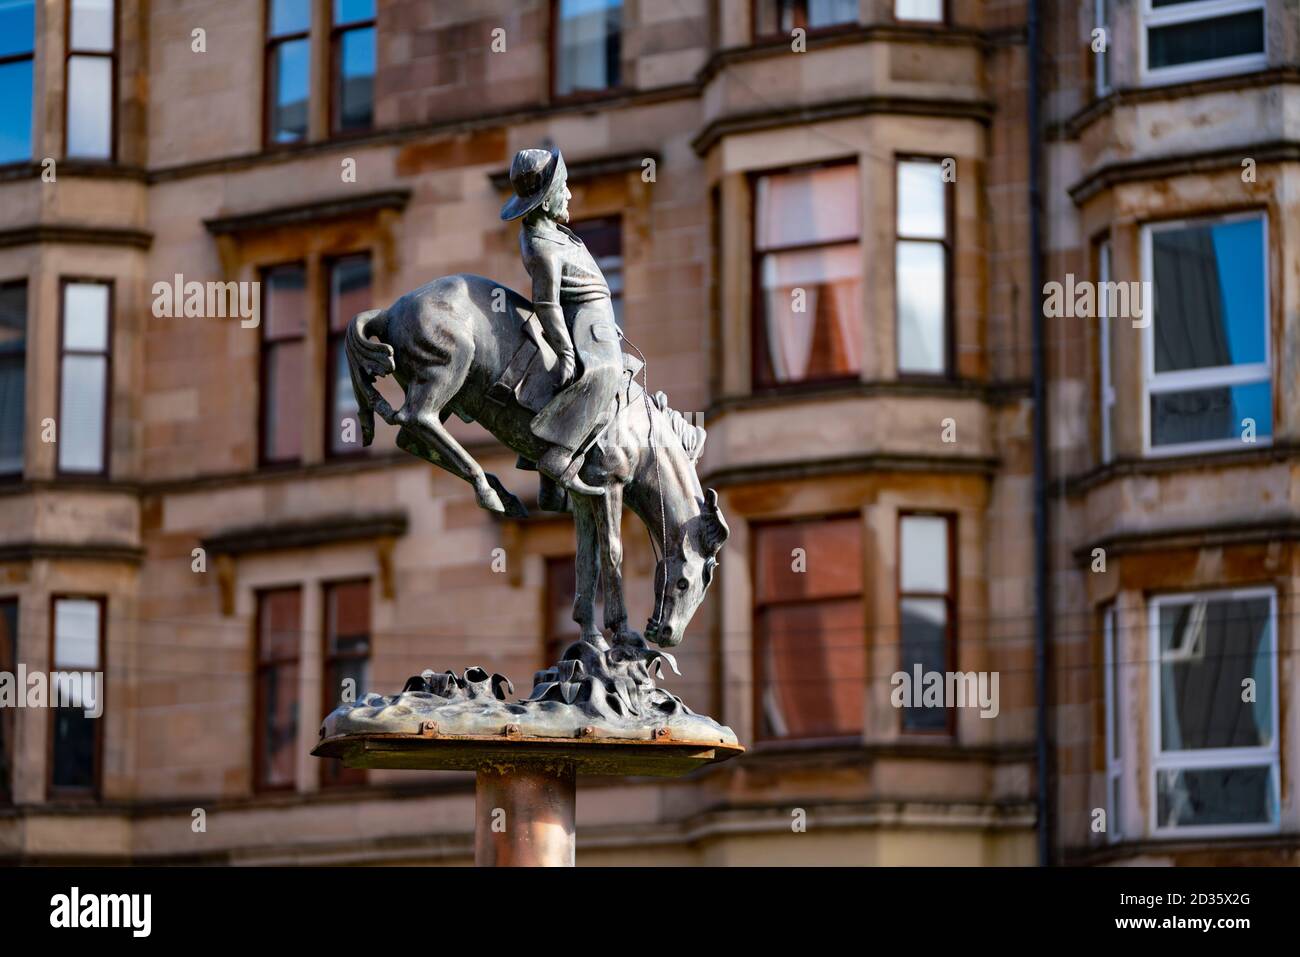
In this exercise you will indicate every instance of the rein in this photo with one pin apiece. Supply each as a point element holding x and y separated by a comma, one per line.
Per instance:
<point>654,452</point>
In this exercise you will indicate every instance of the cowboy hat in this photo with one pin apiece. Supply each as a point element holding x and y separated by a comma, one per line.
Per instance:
<point>531,176</point>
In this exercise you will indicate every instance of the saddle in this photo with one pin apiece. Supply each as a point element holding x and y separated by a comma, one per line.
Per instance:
<point>528,377</point>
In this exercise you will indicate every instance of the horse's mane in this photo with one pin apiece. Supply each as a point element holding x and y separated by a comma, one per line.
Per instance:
<point>691,436</point>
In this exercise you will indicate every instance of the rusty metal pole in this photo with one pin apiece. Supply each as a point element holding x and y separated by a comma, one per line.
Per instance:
<point>524,815</point>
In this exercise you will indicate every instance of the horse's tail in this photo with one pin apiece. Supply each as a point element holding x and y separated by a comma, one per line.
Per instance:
<point>368,361</point>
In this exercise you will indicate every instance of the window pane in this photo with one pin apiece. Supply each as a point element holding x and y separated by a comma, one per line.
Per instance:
<point>352,11</point>
<point>81,423</point>
<point>1205,796</point>
<point>85,316</point>
<point>826,13</point>
<point>801,560</point>
<point>15,111</point>
<point>278,615</point>
<point>1205,415</point>
<point>923,640</point>
<point>13,376</point>
<point>279,724</point>
<point>286,302</point>
<point>1207,648</point>
<point>76,634</point>
<point>17,27</point>
<point>924,546</point>
<point>287,88</point>
<point>356,79</point>
<point>918,9</point>
<point>922,203</point>
<point>1209,292</point>
<point>1238,34</point>
<point>588,45</point>
<point>345,407</point>
<point>92,25</point>
<point>813,667</point>
<point>8,664</point>
<point>348,618</point>
<point>74,749</point>
<point>812,206</point>
<point>90,106</point>
<point>290,16</point>
<point>812,315</point>
<point>349,290</point>
<point>283,414</point>
<point>920,288</point>
<point>604,240</point>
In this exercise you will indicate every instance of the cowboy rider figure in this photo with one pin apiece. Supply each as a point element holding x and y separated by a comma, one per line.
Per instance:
<point>572,303</point>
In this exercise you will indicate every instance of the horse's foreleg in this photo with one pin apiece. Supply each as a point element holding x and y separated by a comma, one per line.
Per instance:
<point>586,565</point>
<point>609,522</point>
<point>420,419</point>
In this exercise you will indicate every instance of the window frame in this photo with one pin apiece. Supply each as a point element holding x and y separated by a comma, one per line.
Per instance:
<point>553,62</point>
<point>17,475</point>
<point>614,221</point>
<point>30,57</point>
<point>759,677</point>
<point>1106,395</point>
<point>336,33</point>
<point>106,417</point>
<point>114,86</point>
<point>260,762</point>
<point>335,340</point>
<point>1183,380</point>
<point>1210,758</point>
<point>1190,11</point>
<point>55,792</point>
<point>7,734</point>
<point>757,305</point>
<point>949,244</point>
<point>1112,688</point>
<point>1102,81</point>
<point>951,605</point>
<point>343,776</point>
<point>269,45</point>
<point>944,20</point>
<point>265,345</point>
<point>801,14</point>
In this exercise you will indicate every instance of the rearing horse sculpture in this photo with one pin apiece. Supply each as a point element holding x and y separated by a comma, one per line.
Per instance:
<point>468,345</point>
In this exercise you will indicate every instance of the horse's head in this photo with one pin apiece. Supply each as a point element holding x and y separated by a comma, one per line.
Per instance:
<point>684,573</point>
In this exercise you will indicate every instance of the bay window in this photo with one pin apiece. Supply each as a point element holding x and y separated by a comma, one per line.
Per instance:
<point>91,79</point>
<point>926,610</point>
<point>922,267</point>
<point>1214,696</point>
<point>808,270</point>
<point>1208,379</point>
<point>85,376</point>
<point>1190,39</point>
<point>809,628</point>
<point>17,53</point>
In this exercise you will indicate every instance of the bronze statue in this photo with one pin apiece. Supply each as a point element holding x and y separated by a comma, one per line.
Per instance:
<point>549,380</point>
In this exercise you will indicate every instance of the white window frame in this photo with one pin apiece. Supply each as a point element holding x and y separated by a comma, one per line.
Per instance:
<point>1107,385</point>
<point>1216,376</point>
<point>1111,657</point>
<point>1101,87</point>
<point>1210,757</point>
<point>1189,12</point>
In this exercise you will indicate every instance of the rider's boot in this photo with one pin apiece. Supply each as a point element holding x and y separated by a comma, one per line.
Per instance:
<point>563,466</point>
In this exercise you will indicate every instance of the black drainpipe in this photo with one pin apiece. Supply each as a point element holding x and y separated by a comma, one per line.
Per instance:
<point>1042,591</point>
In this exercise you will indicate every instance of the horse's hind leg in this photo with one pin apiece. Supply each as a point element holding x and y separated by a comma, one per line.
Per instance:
<point>420,419</point>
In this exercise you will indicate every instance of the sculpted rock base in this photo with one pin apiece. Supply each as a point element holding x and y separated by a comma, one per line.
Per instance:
<point>595,690</point>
